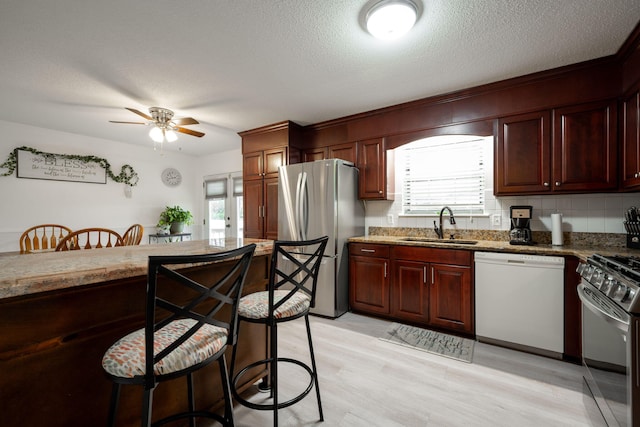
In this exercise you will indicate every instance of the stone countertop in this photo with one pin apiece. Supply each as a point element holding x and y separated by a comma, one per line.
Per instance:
<point>581,252</point>
<point>48,271</point>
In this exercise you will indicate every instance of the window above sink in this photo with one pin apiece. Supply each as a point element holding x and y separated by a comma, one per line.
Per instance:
<point>451,170</point>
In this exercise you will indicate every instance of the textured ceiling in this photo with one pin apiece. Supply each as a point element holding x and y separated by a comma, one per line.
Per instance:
<point>235,65</point>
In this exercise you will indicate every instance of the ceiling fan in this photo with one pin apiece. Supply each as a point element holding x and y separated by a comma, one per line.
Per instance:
<point>164,124</point>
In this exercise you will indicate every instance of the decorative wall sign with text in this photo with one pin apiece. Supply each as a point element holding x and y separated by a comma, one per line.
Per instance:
<point>58,168</point>
<point>31,163</point>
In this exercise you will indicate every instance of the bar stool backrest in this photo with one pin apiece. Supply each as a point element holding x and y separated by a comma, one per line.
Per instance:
<point>174,295</point>
<point>294,267</point>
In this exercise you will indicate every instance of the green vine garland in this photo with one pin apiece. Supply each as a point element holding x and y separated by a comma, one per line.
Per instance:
<point>126,176</point>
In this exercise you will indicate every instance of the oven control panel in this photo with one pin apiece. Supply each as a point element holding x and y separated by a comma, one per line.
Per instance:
<point>612,280</point>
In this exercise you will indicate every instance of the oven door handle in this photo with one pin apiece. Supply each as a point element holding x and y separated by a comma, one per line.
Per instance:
<point>621,324</point>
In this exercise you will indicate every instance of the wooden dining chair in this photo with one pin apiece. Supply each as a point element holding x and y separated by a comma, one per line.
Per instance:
<point>90,238</point>
<point>42,237</point>
<point>133,235</point>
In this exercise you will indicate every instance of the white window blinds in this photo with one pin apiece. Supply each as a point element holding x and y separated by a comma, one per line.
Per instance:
<point>237,186</point>
<point>444,172</point>
<point>215,188</point>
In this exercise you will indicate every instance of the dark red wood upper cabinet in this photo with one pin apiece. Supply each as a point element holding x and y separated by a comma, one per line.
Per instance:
<point>575,152</point>
<point>523,154</point>
<point>584,147</point>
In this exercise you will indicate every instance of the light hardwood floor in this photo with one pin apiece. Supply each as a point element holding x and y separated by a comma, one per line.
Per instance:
<point>367,382</point>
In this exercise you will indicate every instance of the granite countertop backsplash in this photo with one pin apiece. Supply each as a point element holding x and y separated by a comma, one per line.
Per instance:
<point>581,245</point>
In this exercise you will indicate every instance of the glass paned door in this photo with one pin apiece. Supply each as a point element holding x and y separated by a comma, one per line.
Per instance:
<point>223,206</point>
<point>217,219</point>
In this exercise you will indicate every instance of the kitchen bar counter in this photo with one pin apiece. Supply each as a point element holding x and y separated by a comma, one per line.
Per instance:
<point>24,274</point>
<point>59,313</point>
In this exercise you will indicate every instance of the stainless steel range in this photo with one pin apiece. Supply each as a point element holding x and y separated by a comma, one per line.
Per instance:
<point>610,294</point>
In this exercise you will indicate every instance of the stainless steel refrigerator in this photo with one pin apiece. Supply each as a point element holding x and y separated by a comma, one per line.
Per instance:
<point>318,199</point>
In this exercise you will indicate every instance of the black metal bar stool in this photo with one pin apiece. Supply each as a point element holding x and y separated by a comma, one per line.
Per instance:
<point>292,287</point>
<point>186,329</point>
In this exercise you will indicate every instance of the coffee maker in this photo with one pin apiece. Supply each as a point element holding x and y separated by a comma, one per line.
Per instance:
<point>520,233</point>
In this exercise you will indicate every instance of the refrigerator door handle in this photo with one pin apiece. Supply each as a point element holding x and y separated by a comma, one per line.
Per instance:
<point>304,208</point>
<point>298,232</point>
<point>286,197</point>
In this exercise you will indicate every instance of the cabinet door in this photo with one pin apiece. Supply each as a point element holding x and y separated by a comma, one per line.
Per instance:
<point>270,210</point>
<point>253,205</point>
<point>369,284</point>
<point>631,144</point>
<point>584,147</point>
<point>346,152</point>
<point>410,291</point>
<point>523,154</point>
<point>252,166</point>
<point>372,162</point>
<point>450,298</point>
<point>272,160</point>
<point>315,154</point>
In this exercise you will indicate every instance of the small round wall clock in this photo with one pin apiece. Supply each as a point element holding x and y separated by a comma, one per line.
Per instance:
<point>171,177</point>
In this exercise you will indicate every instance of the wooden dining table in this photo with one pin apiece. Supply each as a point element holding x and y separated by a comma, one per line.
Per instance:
<point>60,311</point>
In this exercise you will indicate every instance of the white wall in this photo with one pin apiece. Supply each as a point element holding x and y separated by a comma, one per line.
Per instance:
<point>27,202</point>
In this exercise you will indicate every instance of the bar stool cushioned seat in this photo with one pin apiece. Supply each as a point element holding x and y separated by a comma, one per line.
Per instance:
<point>256,305</point>
<point>126,359</point>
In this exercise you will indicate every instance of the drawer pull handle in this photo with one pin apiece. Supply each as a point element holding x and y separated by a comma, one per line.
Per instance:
<point>368,250</point>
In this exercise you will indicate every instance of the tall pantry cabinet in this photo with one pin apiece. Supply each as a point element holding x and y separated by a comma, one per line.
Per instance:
<point>263,151</point>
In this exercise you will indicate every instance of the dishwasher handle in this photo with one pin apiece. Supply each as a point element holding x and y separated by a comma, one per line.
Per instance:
<point>505,258</point>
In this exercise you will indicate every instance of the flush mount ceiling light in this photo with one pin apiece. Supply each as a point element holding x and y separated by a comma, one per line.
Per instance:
<point>390,19</point>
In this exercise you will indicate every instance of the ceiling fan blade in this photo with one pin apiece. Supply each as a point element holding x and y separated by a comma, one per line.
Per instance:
<point>186,121</point>
<point>140,113</point>
<point>189,131</point>
<point>129,123</point>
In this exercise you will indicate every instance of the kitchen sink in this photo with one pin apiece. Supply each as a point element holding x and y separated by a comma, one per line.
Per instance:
<point>450,241</point>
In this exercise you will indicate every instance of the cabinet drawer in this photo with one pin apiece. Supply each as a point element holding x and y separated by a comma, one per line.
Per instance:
<point>433,255</point>
<point>366,249</point>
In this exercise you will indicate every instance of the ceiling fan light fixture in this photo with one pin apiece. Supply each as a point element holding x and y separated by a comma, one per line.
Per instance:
<point>156,134</point>
<point>170,135</point>
<point>391,19</point>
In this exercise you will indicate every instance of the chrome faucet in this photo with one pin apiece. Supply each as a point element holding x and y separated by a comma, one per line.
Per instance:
<point>452,221</point>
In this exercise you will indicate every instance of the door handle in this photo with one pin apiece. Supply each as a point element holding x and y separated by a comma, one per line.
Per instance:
<point>304,212</point>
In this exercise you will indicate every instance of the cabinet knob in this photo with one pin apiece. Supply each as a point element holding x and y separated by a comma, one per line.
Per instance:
<point>546,184</point>
<point>557,183</point>
<point>380,192</point>
<point>635,175</point>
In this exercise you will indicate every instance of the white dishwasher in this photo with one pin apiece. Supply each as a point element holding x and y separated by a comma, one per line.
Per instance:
<point>520,301</point>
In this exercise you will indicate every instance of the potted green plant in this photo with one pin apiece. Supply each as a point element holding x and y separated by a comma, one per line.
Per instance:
<point>176,218</point>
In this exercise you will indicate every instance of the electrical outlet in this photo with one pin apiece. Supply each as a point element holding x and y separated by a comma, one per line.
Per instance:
<point>496,220</point>
<point>390,219</point>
